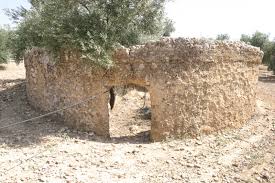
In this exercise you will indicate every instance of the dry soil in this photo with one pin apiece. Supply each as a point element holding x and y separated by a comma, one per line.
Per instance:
<point>45,150</point>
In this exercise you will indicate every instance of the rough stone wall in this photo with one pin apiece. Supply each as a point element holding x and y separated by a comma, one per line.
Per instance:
<point>196,86</point>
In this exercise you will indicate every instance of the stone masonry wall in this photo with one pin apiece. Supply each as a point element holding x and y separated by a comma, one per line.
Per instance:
<point>196,86</point>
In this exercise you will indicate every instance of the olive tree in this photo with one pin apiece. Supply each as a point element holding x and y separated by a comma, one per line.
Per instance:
<point>262,41</point>
<point>93,27</point>
<point>4,44</point>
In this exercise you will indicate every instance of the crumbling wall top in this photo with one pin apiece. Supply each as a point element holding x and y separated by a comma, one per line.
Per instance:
<point>189,50</point>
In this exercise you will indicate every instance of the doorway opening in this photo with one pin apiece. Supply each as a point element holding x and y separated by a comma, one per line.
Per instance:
<point>130,118</point>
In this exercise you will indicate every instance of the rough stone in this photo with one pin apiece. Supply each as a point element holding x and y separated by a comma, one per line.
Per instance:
<point>196,86</point>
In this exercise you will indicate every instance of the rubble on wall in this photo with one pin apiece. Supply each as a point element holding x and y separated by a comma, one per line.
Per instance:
<point>197,86</point>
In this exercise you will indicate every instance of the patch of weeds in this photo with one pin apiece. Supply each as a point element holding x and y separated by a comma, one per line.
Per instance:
<point>236,137</point>
<point>63,135</point>
<point>255,159</point>
<point>221,140</point>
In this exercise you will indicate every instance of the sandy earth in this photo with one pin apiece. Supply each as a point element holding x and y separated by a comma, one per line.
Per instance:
<point>45,150</point>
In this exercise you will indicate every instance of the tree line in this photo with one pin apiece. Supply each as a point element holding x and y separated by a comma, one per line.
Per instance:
<point>261,40</point>
<point>5,39</point>
<point>95,28</point>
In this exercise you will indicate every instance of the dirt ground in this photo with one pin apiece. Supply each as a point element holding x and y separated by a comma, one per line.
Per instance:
<point>45,150</point>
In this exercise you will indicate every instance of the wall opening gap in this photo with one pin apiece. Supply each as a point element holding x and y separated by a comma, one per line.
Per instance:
<point>130,118</point>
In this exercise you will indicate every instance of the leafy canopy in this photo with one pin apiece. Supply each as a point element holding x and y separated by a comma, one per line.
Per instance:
<point>261,40</point>
<point>5,34</point>
<point>258,39</point>
<point>94,27</point>
<point>222,37</point>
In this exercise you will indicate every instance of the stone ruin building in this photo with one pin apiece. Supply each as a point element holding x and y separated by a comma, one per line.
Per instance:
<point>196,86</point>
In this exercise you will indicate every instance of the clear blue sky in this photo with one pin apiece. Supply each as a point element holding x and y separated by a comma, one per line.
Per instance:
<point>205,18</point>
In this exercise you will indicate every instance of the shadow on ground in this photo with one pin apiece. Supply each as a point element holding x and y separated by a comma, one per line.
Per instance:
<point>2,68</point>
<point>15,108</point>
<point>267,79</point>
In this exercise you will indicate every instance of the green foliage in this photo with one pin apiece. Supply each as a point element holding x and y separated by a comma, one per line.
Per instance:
<point>168,28</point>
<point>4,44</point>
<point>262,41</point>
<point>223,37</point>
<point>94,28</point>
<point>272,64</point>
<point>258,39</point>
<point>245,38</point>
<point>272,59</point>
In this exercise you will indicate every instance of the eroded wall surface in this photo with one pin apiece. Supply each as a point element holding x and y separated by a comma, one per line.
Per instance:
<point>196,86</point>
